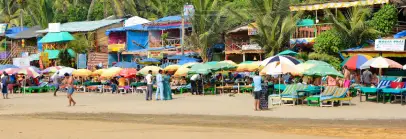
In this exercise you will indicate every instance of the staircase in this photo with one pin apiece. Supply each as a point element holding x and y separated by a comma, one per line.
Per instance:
<point>15,51</point>
<point>12,53</point>
<point>95,58</point>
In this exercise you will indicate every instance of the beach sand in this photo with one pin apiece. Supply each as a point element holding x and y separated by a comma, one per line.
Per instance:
<point>130,116</point>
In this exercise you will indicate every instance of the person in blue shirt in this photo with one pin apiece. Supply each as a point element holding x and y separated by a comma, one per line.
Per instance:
<point>160,86</point>
<point>5,80</point>
<point>257,89</point>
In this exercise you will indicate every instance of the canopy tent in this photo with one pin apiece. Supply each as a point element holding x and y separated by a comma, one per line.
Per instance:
<point>26,34</point>
<point>54,37</point>
<point>135,20</point>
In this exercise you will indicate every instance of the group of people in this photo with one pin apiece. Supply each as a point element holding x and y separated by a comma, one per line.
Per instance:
<point>163,87</point>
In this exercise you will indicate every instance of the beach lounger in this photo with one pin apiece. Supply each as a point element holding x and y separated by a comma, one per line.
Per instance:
<point>394,91</point>
<point>287,91</point>
<point>293,95</point>
<point>338,95</point>
<point>43,87</point>
<point>328,91</point>
<point>374,90</point>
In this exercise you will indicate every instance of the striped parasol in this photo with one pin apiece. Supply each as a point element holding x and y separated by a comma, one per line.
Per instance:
<point>29,71</point>
<point>52,69</point>
<point>282,59</point>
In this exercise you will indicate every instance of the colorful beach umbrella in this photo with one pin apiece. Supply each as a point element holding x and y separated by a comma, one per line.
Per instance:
<point>222,66</point>
<point>182,71</point>
<point>67,70</point>
<point>278,68</point>
<point>188,65</point>
<point>287,52</point>
<point>282,59</point>
<point>228,62</point>
<point>6,66</point>
<point>111,72</point>
<point>82,72</point>
<point>355,62</point>
<point>248,66</point>
<point>29,71</point>
<point>172,68</point>
<point>52,69</point>
<point>10,70</point>
<point>98,72</point>
<point>322,70</point>
<point>144,71</point>
<point>200,69</point>
<point>381,62</point>
<point>128,72</point>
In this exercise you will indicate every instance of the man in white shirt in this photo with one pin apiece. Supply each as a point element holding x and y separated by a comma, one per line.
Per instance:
<point>193,83</point>
<point>160,86</point>
<point>149,85</point>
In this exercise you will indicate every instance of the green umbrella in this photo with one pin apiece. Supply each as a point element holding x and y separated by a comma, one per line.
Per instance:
<point>200,69</point>
<point>322,70</point>
<point>211,63</point>
<point>53,37</point>
<point>223,66</point>
<point>288,52</point>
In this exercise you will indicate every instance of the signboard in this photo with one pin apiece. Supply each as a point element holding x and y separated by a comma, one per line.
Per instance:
<point>251,47</point>
<point>44,58</point>
<point>21,62</point>
<point>188,10</point>
<point>54,27</point>
<point>81,61</point>
<point>24,54</point>
<point>155,54</point>
<point>390,44</point>
<point>252,29</point>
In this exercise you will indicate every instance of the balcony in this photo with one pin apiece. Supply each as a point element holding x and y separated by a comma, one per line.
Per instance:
<point>304,35</point>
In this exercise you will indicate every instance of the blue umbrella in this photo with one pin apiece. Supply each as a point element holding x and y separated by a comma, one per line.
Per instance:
<point>126,65</point>
<point>2,67</point>
<point>150,61</point>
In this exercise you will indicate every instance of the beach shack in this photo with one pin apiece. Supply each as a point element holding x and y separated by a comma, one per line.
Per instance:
<point>99,53</point>
<point>155,39</point>
<point>239,47</point>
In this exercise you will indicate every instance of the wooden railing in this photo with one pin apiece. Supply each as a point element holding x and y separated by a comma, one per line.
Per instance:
<point>235,46</point>
<point>310,31</point>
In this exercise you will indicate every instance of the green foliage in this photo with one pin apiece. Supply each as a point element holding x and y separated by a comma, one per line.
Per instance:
<point>385,19</point>
<point>82,43</point>
<point>303,56</point>
<point>64,58</point>
<point>332,60</point>
<point>329,42</point>
<point>98,11</point>
<point>352,25</point>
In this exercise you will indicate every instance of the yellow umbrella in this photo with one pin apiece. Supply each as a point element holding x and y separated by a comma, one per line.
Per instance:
<point>188,65</point>
<point>98,72</point>
<point>248,67</point>
<point>81,72</point>
<point>172,68</point>
<point>111,72</point>
<point>182,71</point>
<point>144,71</point>
<point>229,62</point>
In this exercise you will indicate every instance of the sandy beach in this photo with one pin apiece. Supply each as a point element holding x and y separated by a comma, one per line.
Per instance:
<point>221,116</point>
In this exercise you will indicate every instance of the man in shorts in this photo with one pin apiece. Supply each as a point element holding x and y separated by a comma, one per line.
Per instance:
<point>257,90</point>
<point>4,80</point>
<point>69,84</point>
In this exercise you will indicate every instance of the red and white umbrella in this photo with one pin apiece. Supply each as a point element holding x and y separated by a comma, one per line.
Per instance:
<point>52,69</point>
<point>128,73</point>
<point>29,71</point>
<point>381,62</point>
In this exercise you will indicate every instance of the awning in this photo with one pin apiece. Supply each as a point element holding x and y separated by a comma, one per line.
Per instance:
<point>26,34</point>
<point>11,32</point>
<point>52,54</point>
<point>53,37</point>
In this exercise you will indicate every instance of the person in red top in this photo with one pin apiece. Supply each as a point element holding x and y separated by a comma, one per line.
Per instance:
<point>36,81</point>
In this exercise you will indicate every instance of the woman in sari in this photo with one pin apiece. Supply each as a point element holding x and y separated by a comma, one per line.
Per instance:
<point>167,87</point>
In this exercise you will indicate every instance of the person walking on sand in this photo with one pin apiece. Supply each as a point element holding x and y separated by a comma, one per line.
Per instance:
<point>68,81</point>
<point>257,90</point>
<point>160,86</point>
<point>4,80</point>
<point>56,81</point>
<point>148,78</point>
<point>347,74</point>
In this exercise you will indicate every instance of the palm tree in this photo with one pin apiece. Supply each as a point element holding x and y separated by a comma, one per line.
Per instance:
<point>41,12</point>
<point>10,12</point>
<point>352,25</point>
<point>273,21</point>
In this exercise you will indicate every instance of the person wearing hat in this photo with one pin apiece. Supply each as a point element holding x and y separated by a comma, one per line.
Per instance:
<point>68,81</point>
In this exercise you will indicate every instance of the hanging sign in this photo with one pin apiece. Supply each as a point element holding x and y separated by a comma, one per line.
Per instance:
<point>390,44</point>
<point>252,29</point>
<point>155,54</point>
<point>81,61</point>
